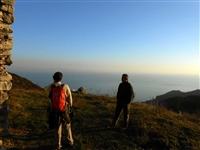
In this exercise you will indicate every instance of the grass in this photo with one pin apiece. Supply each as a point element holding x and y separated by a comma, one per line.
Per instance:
<point>150,128</point>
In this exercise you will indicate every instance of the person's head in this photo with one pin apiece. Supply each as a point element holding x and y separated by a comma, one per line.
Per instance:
<point>124,78</point>
<point>57,76</point>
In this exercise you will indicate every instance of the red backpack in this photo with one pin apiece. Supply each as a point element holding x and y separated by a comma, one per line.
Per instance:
<point>58,98</point>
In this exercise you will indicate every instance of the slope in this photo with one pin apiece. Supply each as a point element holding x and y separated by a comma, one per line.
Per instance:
<point>150,128</point>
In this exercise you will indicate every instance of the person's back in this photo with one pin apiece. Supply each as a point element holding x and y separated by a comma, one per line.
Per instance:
<point>125,93</point>
<point>57,77</point>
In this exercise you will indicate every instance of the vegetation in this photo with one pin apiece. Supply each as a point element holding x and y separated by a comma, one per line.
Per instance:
<point>150,128</point>
<point>189,104</point>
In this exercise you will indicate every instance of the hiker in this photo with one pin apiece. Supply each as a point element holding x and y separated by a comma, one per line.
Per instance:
<point>125,95</point>
<point>60,119</point>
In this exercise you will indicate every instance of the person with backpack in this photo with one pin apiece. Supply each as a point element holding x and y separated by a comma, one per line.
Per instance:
<point>125,95</point>
<point>61,101</point>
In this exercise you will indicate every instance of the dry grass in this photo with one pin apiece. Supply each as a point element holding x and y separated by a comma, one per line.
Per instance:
<point>150,128</point>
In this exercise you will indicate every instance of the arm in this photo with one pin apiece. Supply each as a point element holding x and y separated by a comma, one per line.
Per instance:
<point>68,94</point>
<point>118,92</point>
<point>132,95</point>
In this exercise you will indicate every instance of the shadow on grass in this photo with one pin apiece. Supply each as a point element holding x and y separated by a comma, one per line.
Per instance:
<point>39,148</point>
<point>38,141</point>
<point>44,141</point>
<point>31,136</point>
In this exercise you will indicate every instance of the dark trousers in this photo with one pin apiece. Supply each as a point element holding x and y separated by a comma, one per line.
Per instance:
<point>118,110</point>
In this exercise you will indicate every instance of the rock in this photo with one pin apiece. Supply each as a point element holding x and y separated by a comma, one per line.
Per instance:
<point>6,45</point>
<point>11,2</point>
<point>5,28</point>
<point>8,18</point>
<point>7,8</point>
<point>5,85</point>
<point>82,90</point>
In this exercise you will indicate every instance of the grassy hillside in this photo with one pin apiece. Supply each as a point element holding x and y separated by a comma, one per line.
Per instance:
<point>150,128</point>
<point>189,104</point>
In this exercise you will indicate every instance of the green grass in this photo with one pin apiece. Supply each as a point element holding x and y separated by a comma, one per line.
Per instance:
<point>150,128</point>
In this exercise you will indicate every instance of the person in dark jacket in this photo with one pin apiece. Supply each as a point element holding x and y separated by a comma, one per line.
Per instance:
<point>125,95</point>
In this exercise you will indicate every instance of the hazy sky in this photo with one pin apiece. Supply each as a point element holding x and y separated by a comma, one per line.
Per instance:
<point>106,36</point>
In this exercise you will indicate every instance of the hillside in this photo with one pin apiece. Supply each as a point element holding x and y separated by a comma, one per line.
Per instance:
<point>171,94</point>
<point>178,101</point>
<point>189,104</point>
<point>150,128</point>
<point>22,83</point>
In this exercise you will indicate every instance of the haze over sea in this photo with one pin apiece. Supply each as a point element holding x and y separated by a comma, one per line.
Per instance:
<point>146,86</point>
<point>94,42</point>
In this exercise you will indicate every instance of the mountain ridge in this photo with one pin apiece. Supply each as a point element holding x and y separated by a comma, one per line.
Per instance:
<point>173,93</point>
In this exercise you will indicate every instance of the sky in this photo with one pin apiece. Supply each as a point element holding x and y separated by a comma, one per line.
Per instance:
<point>134,36</point>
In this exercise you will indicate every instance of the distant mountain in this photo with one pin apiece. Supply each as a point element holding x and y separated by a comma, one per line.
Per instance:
<point>178,101</point>
<point>174,93</point>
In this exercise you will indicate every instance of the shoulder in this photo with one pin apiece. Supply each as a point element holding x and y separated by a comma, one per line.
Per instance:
<point>48,88</point>
<point>128,84</point>
<point>65,86</point>
<point>120,84</point>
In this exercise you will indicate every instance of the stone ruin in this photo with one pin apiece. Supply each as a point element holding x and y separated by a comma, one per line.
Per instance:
<point>6,44</point>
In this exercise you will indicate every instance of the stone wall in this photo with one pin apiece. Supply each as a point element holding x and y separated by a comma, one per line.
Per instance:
<point>6,44</point>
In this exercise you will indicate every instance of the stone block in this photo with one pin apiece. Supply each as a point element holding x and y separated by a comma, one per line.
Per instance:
<point>5,85</point>
<point>5,37</point>
<point>7,8</point>
<point>4,96</point>
<point>5,53</point>
<point>1,16</point>
<point>8,37</point>
<point>11,2</point>
<point>6,45</point>
<point>8,18</point>
<point>5,76</point>
<point>2,68</point>
<point>5,28</point>
<point>5,60</point>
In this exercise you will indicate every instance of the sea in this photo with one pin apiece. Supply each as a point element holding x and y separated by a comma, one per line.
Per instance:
<point>146,86</point>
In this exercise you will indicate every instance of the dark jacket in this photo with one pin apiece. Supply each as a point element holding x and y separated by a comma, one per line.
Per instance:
<point>125,93</point>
